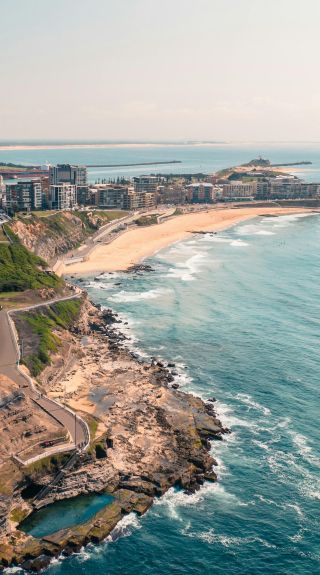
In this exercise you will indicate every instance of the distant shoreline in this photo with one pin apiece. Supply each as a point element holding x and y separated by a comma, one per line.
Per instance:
<point>188,144</point>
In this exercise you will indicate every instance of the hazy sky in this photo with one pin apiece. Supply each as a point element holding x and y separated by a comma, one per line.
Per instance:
<point>160,69</point>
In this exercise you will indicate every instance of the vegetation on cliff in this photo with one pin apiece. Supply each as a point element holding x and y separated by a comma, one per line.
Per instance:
<point>50,234</point>
<point>21,270</point>
<point>36,331</point>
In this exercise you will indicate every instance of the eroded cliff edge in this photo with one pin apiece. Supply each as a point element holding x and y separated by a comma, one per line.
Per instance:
<point>145,438</point>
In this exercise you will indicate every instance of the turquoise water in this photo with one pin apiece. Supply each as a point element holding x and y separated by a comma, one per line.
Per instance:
<point>193,158</point>
<point>239,313</point>
<point>64,514</point>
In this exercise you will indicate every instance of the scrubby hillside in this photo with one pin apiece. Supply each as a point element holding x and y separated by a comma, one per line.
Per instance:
<point>51,234</point>
<point>21,270</point>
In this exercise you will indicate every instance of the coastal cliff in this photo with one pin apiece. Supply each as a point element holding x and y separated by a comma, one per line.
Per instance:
<point>53,234</point>
<point>146,437</point>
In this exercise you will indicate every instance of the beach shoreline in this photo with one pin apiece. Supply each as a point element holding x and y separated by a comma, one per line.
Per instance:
<point>135,245</point>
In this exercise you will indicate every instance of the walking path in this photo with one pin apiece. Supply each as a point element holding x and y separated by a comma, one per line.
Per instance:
<point>9,366</point>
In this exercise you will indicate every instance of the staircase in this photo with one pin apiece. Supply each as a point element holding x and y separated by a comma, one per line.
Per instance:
<point>61,473</point>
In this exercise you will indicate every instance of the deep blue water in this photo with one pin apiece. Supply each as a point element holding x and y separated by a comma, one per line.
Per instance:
<point>193,158</point>
<point>239,313</point>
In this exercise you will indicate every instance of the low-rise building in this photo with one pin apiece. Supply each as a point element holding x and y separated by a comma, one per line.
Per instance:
<point>171,194</point>
<point>286,188</point>
<point>110,197</point>
<point>138,201</point>
<point>238,189</point>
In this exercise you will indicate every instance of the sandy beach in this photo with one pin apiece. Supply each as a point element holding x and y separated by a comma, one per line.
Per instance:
<point>137,244</point>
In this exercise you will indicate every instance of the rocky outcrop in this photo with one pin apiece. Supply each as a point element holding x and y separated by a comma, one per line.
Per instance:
<point>147,437</point>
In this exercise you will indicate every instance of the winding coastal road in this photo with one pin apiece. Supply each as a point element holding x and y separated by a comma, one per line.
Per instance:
<point>9,366</point>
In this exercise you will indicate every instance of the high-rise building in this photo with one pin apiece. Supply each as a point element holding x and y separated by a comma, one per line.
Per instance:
<point>63,196</point>
<point>2,193</point>
<point>68,174</point>
<point>146,184</point>
<point>71,175</point>
<point>24,195</point>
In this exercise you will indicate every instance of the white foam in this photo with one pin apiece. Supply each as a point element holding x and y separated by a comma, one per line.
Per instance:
<point>212,537</point>
<point>217,239</point>
<point>98,285</point>
<point>125,527</point>
<point>253,230</point>
<point>127,296</point>
<point>239,244</point>
<point>249,401</point>
<point>186,270</point>
<point>304,450</point>
<point>262,445</point>
<point>229,419</point>
<point>173,500</point>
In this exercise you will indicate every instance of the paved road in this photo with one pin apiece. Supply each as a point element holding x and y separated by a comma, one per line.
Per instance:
<point>9,357</point>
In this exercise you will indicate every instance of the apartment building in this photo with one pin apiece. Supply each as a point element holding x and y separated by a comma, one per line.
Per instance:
<point>238,189</point>
<point>110,197</point>
<point>286,188</point>
<point>146,184</point>
<point>200,193</point>
<point>24,195</point>
<point>171,194</point>
<point>68,174</point>
<point>138,201</point>
<point>63,196</point>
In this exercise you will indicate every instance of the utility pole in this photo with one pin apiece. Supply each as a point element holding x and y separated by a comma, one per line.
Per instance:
<point>75,430</point>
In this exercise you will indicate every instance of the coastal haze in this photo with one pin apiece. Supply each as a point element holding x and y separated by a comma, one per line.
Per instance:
<point>159,301</point>
<point>139,70</point>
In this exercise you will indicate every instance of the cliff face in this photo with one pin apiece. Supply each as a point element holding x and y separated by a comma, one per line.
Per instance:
<point>50,236</point>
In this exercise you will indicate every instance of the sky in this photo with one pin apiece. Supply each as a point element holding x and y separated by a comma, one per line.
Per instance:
<point>160,70</point>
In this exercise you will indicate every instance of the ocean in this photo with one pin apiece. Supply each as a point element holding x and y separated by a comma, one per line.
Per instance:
<point>239,314</point>
<point>194,158</point>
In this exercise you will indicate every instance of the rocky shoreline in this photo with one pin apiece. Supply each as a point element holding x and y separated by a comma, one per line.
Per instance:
<point>147,436</point>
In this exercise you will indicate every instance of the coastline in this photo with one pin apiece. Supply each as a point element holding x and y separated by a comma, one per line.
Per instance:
<point>143,442</point>
<point>133,246</point>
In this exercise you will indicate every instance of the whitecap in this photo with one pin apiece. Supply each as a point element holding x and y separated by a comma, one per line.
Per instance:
<point>125,527</point>
<point>218,239</point>
<point>211,537</point>
<point>262,445</point>
<point>127,296</point>
<point>249,401</point>
<point>185,271</point>
<point>174,499</point>
<point>230,420</point>
<point>239,244</point>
